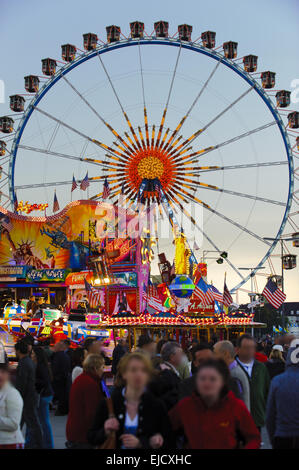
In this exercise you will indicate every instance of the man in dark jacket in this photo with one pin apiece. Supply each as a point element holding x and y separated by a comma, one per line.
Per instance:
<point>283,403</point>
<point>25,384</point>
<point>200,353</point>
<point>61,370</point>
<point>119,351</point>
<point>165,384</point>
<point>258,376</point>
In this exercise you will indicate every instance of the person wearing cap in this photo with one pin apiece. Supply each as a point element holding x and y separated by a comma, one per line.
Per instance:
<point>11,407</point>
<point>282,415</point>
<point>276,362</point>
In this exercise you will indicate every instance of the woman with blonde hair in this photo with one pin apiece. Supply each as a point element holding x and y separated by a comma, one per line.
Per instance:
<point>140,420</point>
<point>276,362</point>
<point>87,391</point>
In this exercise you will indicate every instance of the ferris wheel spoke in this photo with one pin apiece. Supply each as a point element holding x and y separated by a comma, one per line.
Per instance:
<point>4,181</point>
<point>168,98</point>
<point>190,158</point>
<point>143,98</point>
<point>183,120</point>
<point>206,236</point>
<point>200,170</point>
<point>81,134</point>
<point>236,224</point>
<point>111,129</point>
<point>6,204</point>
<point>51,184</point>
<point>224,217</point>
<point>112,188</point>
<point>63,155</point>
<point>232,193</point>
<point>119,102</point>
<point>194,136</point>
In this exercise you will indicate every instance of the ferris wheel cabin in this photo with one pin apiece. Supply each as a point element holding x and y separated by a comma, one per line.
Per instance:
<point>68,52</point>
<point>276,278</point>
<point>90,41</point>
<point>49,66</point>
<point>230,49</point>
<point>208,39</point>
<point>250,63</point>
<point>185,31</point>
<point>295,236</point>
<point>2,148</point>
<point>31,83</point>
<point>17,103</point>
<point>297,143</point>
<point>137,29</point>
<point>283,98</point>
<point>293,119</point>
<point>113,33</point>
<point>268,79</point>
<point>6,124</point>
<point>161,29</point>
<point>289,261</point>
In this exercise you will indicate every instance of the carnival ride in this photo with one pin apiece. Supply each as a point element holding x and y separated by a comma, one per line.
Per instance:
<point>150,162</point>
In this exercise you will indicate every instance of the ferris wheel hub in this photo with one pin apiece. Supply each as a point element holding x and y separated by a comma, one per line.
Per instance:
<point>150,168</point>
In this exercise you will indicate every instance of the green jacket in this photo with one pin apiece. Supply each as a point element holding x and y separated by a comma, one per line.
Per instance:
<point>259,388</point>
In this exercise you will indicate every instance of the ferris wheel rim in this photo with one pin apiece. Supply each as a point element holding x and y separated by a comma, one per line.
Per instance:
<point>174,42</point>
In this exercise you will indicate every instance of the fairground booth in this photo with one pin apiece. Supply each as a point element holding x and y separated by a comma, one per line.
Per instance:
<point>91,262</point>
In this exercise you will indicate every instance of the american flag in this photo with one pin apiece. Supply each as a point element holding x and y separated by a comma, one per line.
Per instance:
<point>273,294</point>
<point>93,295</point>
<point>203,292</point>
<point>227,298</point>
<point>55,203</point>
<point>217,295</point>
<point>152,299</point>
<point>106,189</point>
<point>84,183</point>
<point>74,184</point>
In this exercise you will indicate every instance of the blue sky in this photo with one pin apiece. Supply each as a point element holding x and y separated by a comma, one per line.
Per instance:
<point>32,30</point>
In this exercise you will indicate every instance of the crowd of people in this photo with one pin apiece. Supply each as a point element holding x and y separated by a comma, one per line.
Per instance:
<point>216,395</point>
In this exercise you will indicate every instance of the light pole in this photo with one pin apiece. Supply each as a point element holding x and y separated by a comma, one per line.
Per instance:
<point>251,269</point>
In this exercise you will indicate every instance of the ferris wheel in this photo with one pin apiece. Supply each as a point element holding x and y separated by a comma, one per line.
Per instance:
<point>180,124</point>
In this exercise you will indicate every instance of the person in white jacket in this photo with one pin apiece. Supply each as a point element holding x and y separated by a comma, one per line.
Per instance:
<point>11,407</point>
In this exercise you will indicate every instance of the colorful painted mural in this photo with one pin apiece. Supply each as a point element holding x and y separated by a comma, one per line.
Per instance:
<point>64,240</point>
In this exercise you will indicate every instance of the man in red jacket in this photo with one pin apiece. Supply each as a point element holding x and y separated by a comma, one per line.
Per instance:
<point>86,393</point>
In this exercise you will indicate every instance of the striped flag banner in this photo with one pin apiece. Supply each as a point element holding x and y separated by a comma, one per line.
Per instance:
<point>217,295</point>
<point>106,189</point>
<point>152,299</point>
<point>227,298</point>
<point>55,203</point>
<point>273,294</point>
<point>74,184</point>
<point>93,295</point>
<point>84,183</point>
<point>203,292</point>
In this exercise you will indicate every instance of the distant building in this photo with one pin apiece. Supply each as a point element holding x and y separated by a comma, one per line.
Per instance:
<point>291,311</point>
